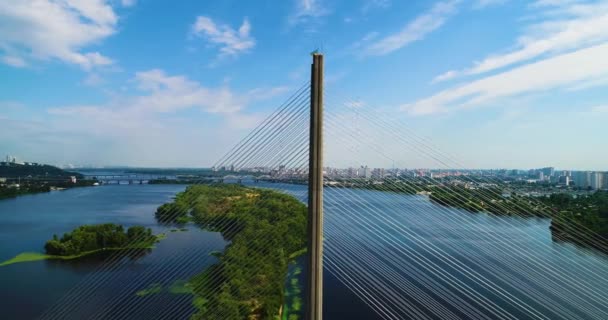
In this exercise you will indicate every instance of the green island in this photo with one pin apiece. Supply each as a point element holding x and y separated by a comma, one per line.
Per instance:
<point>266,230</point>
<point>90,239</point>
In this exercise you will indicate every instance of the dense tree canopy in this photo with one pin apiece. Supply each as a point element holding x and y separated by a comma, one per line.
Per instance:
<point>581,219</point>
<point>12,170</point>
<point>265,228</point>
<point>94,237</point>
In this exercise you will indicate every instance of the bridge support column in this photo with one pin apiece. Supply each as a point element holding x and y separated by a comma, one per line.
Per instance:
<point>314,307</point>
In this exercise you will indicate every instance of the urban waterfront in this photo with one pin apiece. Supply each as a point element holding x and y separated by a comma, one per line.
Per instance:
<point>30,288</point>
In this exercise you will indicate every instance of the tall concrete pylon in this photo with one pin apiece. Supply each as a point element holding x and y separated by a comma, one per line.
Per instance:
<point>314,308</point>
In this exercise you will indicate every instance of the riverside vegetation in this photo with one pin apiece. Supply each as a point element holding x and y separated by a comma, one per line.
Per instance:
<point>582,220</point>
<point>89,239</point>
<point>22,179</point>
<point>266,230</point>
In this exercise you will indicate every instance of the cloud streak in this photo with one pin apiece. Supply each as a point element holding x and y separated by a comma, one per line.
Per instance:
<point>564,26</point>
<point>162,93</point>
<point>307,11</point>
<point>563,71</point>
<point>415,30</point>
<point>231,42</point>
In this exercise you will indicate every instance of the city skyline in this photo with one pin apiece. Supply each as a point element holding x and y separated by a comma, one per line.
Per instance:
<point>497,84</point>
<point>514,171</point>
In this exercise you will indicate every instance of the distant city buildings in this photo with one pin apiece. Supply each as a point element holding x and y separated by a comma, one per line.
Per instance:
<point>11,160</point>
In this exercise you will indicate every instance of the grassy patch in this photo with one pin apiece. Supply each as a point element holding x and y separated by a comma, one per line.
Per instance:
<point>25,257</point>
<point>215,253</point>
<point>293,300</point>
<point>297,253</point>
<point>154,288</point>
<point>180,287</point>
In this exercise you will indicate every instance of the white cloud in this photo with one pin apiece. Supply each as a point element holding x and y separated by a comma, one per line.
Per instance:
<point>173,93</point>
<point>375,4</point>
<point>543,3</point>
<point>166,115</point>
<point>445,76</point>
<point>231,42</point>
<point>93,80</point>
<point>480,4</point>
<point>600,109</point>
<point>14,61</point>
<point>562,71</point>
<point>54,30</point>
<point>355,104</point>
<point>128,3</point>
<point>307,11</point>
<point>564,26</point>
<point>162,93</point>
<point>415,30</point>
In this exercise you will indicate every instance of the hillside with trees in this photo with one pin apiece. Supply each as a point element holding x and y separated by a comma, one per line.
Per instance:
<point>20,179</point>
<point>15,170</point>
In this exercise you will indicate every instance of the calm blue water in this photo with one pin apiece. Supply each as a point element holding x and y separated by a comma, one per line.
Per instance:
<point>29,289</point>
<point>391,245</point>
<point>406,252</point>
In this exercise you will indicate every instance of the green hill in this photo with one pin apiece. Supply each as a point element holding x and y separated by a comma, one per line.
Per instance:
<point>14,170</point>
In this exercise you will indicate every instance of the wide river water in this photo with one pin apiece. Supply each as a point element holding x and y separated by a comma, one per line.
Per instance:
<point>386,243</point>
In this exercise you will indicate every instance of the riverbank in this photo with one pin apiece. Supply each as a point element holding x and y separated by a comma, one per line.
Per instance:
<point>565,226</point>
<point>34,187</point>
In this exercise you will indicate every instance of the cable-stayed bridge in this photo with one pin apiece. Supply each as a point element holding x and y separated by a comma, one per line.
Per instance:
<point>402,253</point>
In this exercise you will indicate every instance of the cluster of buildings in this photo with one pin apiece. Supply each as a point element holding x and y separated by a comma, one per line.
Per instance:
<point>594,180</point>
<point>11,160</point>
<point>590,180</point>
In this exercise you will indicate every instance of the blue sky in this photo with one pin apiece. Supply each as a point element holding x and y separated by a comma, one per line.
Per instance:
<point>497,83</point>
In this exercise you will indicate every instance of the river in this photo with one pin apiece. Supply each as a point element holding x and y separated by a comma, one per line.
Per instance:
<point>28,290</point>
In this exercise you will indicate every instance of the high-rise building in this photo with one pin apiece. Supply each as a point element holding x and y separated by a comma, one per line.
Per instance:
<point>548,171</point>
<point>365,172</point>
<point>582,179</point>
<point>597,180</point>
<point>378,173</point>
